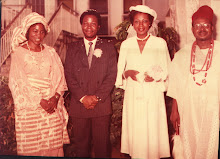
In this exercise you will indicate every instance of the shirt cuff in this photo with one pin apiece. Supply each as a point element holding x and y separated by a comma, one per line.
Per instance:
<point>82,99</point>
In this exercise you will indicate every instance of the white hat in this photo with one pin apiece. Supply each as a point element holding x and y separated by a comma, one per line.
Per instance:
<point>144,9</point>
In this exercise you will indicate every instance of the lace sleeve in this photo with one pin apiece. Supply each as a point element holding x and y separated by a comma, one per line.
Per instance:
<point>25,98</point>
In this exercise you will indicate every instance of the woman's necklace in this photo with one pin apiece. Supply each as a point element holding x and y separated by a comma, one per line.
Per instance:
<point>37,62</point>
<point>146,37</point>
<point>206,64</point>
<point>142,42</point>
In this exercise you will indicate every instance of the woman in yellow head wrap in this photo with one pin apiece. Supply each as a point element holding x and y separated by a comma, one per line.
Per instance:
<point>37,83</point>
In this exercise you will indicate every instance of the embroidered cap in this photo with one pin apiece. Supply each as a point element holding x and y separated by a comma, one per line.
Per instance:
<point>144,9</point>
<point>203,12</point>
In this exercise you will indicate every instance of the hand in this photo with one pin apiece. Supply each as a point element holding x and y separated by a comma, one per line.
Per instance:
<point>53,101</point>
<point>90,102</point>
<point>148,78</point>
<point>174,117</point>
<point>131,73</point>
<point>46,106</point>
<point>159,80</point>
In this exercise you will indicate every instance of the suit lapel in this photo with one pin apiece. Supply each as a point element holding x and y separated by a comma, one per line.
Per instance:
<point>97,46</point>
<point>82,53</point>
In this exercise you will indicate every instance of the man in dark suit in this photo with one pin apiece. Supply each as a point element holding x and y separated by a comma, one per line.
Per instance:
<point>90,86</point>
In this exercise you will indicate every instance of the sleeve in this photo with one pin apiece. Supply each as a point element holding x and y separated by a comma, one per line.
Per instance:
<point>167,65</point>
<point>107,85</point>
<point>120,83</point>
<point>71,80</point>
<point>24,96</point>
<point>58,77</point>
<point>173,81</point>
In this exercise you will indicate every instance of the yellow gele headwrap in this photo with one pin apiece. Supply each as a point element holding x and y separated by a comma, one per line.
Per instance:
<point>19,32</point>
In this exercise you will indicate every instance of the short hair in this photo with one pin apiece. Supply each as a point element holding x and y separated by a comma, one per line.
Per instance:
<point>134,12</point>
<point>91,12</point>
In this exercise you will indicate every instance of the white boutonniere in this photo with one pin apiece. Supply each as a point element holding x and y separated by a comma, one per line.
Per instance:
<point>98,53</point>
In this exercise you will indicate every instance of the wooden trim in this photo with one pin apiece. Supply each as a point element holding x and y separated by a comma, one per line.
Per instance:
<point>9,25</point>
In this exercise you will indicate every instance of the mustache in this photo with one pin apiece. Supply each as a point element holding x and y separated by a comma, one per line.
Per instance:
<point>202,31</point>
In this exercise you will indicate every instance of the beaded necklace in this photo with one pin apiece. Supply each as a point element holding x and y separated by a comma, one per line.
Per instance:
<point>206,64</point>
<point>34,58</point>
<point>146,37</point>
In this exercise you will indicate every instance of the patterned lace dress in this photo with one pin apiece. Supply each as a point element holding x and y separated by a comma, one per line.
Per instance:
<point>33,76</point>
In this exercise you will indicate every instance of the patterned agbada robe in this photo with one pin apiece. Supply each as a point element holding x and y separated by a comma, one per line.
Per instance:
<point>198,106</point>
<point>33,76</point>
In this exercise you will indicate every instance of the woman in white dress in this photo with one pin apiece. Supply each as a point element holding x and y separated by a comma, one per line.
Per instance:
<point>142,73</point>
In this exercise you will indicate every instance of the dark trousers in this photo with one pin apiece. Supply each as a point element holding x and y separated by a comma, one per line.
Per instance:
<point>95,130</point>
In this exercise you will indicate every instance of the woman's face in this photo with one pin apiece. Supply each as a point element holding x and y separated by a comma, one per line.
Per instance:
<point>36,34</point>
<point>141,24</point>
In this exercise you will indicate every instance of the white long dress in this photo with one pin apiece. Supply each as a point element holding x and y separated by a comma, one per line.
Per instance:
<point>198,106</point>
<point>144,123</point>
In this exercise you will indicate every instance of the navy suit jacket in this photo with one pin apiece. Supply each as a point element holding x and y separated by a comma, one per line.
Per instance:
<point>99,80</point>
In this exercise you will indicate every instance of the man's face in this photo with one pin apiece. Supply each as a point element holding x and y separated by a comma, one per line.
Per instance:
<point>202,29</point>
<point>90,27</point>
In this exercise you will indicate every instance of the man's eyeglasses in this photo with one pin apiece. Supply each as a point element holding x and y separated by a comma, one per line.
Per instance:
<point>199,25</point>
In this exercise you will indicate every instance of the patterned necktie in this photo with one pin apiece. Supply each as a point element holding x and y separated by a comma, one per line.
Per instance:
<point>90,54</point>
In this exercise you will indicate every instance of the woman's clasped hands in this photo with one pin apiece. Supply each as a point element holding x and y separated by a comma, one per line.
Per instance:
<point>49,105</point>
<point>133,74</point>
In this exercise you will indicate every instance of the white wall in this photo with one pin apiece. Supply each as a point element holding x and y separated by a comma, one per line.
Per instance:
<point>116,11</point>
<point>13,2</point>
<point>81,6</point>
<point>9,12</point>
<point>215,4</point>
<point>183,11</point>
<point>115,14</point>
<point>160,6</point>
<point>50,8</point>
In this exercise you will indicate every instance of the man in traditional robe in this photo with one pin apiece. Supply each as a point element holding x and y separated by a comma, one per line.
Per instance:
<point>194,85</point>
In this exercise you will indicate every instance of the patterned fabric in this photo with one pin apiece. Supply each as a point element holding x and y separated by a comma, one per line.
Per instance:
<point>198,106</point>
<point>20,31</point>
<point>33,77</point>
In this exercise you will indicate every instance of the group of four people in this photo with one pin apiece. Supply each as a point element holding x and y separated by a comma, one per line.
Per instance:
<point>144,70</point>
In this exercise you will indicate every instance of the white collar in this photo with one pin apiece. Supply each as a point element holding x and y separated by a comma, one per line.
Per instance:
<point>93,41</point>
<point>86,42</point>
